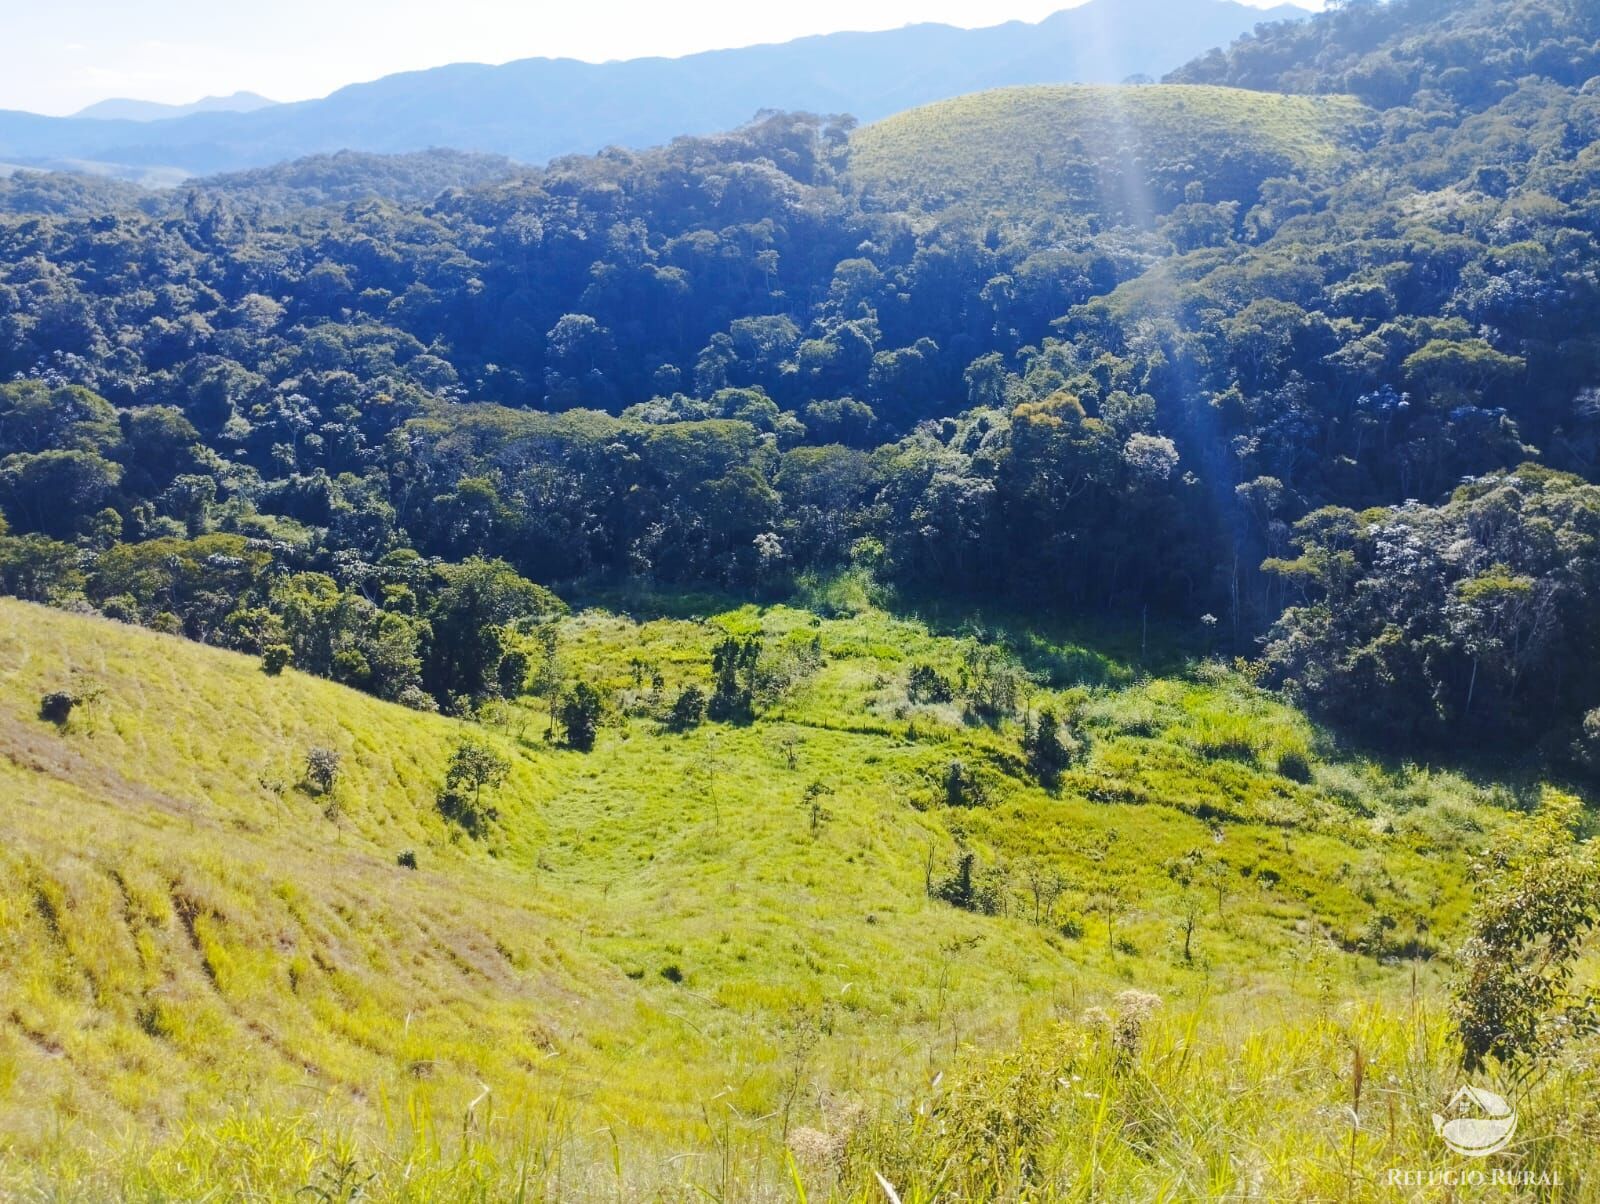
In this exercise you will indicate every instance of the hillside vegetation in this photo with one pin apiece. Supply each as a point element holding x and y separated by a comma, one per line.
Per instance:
<point>655,947</point>
<point>1123,155</point>
<point>1040,650</point>
<point>1413,54</point>
<point>1175,351</point>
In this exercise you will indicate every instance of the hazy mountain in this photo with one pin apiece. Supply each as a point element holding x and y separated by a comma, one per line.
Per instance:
<point>536,109</point>
<point>150,110</point>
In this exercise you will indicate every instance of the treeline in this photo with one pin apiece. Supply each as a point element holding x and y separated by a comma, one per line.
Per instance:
<point>1417,54</point>
<point>1478,620</point>
<point>727,363</point>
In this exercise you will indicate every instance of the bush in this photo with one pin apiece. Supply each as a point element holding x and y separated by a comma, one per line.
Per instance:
<point>322,769</point>
<point>1048,748</point>
<point>57,707</point>
<point>811,800</point>
<point>512,674</point>
<point>925,684</point>
<point>1587,748</point>
<point>580,716</point>
<point>122,607</point>
<point>688,709</point>
<point>474,767</point>
<point>1516,995</point>
<point>417,699</point>
<point>275,658</point>
<point>963,889</point>
<point>351,668</point>
<point>961,787</point>
<point>991,683</point>
<point>1295,764</point>
<point>734,665</point>
<point>407,860</point>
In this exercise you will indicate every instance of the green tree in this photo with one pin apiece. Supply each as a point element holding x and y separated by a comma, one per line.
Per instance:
<point>1048,752</point>
<point>475,766</point>
<point>322,769</point>
<point>581,711</point>
<point>1538,905</point>
<point>473,605</point>
<point>688,709</point>
<point>734,663</point>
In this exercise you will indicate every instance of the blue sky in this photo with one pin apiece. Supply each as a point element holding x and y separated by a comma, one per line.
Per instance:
<point>58,57</point>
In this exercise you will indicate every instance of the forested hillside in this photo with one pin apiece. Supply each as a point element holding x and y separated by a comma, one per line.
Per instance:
<point>1430,56</point>
<point>643,678</point>
<point>1114,351</point>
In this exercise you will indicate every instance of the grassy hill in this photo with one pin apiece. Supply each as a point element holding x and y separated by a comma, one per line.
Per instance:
<point>1122,154</point>
<point>657,967</point>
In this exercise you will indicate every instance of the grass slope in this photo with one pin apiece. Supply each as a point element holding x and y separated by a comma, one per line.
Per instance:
<point>653,968</point>
<point>1118,153</point>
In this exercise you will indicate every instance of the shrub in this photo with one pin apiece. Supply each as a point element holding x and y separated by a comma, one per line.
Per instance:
<point>926,684</point>
<point>121,607</point>
<point>961,787</point>
<point>474,766</point>
<point>56,707</point>
<point>407,860</point>
<point>734,665</point>
<point>351,667</point>
<point>1295,764</point>
<point>991,683</point>
<point>1048,749</point>
<point>688,709</point>
<point>1135,1009</point>
<point>275,658</point>
<point>811,800</point>
<point>322,769</point>
<point>580,716</point>
<point>417,699</point>
<point>1515,1000</point>
<point>1587,747</point>
<point>965,890</point>
<point>512,674</point>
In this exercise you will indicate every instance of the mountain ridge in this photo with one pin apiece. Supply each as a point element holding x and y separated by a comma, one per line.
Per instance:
<point>129,109</point>
<point>538,109</point>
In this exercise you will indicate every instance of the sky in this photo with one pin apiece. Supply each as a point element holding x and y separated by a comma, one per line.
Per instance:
<point>58,56</point>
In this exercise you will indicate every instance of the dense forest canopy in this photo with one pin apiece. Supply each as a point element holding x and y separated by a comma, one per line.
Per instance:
<point>1418,54</point>
<point>1122,347</point>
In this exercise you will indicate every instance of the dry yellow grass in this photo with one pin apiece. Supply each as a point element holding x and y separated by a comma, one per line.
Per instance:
<point>217,980</point>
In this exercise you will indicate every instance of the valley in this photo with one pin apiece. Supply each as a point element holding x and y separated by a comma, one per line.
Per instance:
<point>652,941</point>
<point>1033,642</point>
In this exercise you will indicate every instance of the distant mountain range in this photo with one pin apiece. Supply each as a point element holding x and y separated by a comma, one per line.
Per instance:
<point>150,110</point>
<point>536,109</point>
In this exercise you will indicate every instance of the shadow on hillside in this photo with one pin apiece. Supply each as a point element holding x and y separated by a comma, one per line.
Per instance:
<point>1061,652</point>
<point>1058,651</point>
